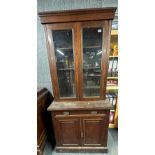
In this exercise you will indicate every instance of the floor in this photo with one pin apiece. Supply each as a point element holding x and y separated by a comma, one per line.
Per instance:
<point>112,145</point>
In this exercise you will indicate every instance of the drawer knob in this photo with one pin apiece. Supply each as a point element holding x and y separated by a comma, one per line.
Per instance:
<point>93,112</point>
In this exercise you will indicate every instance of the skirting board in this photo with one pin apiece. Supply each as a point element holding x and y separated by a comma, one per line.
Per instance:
<point>82,149</point>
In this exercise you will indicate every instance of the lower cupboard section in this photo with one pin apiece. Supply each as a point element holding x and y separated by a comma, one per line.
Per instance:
<point>81,133</point>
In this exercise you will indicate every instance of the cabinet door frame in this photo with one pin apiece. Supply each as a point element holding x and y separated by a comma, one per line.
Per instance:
<point>103,133</point>
<point>58,127</point>
<point>51,58</point>
<point>104,58</point>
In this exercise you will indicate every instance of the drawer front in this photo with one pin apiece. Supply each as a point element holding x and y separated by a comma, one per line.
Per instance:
<point>89,112</point>
<point>81,114</point>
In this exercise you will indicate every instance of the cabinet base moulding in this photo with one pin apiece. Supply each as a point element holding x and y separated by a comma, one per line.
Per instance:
<point>41,145</point>
<point>82,149</point>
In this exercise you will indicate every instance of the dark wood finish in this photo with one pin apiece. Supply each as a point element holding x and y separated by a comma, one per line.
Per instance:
<point>105,57</point>
<point>79,105</point>
<point>52,61</point>
<point>69,131</point>
<point>43,101</point>
<point>80,149</point>
<point>76,28</point>
<point>77,37</point>
<point>92,24</point>
<point>93,130</point>
<point>52,65</point>
<point>77,15</point>
<point>78,57</point>
<point>80,123</point>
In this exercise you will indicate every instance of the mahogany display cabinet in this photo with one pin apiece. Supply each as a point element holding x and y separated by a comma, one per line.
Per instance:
<point>78,44</point>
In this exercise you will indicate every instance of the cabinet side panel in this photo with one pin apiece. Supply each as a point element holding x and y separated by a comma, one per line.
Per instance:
<point>105,57</point>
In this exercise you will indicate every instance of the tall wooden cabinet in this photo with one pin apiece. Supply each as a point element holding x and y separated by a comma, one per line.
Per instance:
<point>78,43</point>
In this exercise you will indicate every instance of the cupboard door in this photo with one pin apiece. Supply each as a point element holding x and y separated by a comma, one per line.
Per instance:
<point>93,54</point>
<point>69,131</point>
<point>94,132</point>
<point>61,41</point>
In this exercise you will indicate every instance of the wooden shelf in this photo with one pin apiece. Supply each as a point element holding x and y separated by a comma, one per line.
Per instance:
<point>95,46</point>
<point>92,68</point>
<point>94,75</point>
<point>113,110</point>
<point>91,87</point>
<point>111,56</point>
<point>112,125</point>
<point>114,32</point>
<point>112,88</point>
<point>115,124</point>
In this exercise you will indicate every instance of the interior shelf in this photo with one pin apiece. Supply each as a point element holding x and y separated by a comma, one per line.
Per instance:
<point>95,46</point>
<point>92,87</point>
<point>91,68</point>
<point>94,75</point>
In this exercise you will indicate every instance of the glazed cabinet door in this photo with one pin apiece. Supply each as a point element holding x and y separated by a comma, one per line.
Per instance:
<point>93,62</point>
<point>68,130</point>
<point>62,57</point>
<point>94,131</point>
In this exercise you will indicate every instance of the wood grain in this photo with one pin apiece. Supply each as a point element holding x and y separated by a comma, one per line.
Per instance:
<point>77,15</point>
<point>79,105</point>
<point>87,118</point>
<point>43,101</point>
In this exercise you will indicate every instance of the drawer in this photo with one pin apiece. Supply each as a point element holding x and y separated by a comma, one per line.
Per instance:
<point>84,112</point>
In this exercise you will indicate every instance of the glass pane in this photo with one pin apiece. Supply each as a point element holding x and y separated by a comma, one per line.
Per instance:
<point>63,45</point>
<point>92,51</point>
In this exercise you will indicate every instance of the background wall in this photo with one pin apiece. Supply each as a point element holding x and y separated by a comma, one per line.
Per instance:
<point>43,74</point>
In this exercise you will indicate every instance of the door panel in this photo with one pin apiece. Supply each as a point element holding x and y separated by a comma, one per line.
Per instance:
<point>64,62</point>
<point>94,130</point>
<point>92,62</point>
<point>62,52</point>
<point>69,131</point>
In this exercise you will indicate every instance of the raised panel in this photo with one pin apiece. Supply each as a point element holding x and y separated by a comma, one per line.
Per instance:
<point>69,131</point>
<point>94,131</point>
